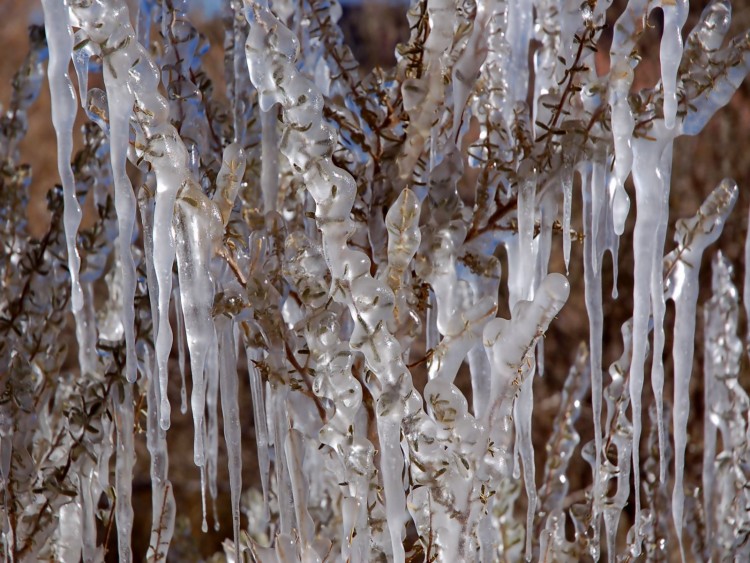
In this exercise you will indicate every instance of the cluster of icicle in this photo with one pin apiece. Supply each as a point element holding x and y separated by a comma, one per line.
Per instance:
<point>55,439</point>
<point>340,231</point>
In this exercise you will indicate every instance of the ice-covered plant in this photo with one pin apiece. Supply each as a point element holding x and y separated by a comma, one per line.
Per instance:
<point>346,240</point>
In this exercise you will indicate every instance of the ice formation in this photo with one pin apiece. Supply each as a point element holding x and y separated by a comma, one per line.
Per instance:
<point>349,239</point>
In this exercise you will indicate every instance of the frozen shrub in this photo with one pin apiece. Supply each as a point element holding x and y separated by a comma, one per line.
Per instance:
<point>331,233</point>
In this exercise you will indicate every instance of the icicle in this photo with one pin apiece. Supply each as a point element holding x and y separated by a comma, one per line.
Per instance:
<point>204,520</point>
<point>162,497</point>
<point>230,410</point>
<point>259,416</point>
<point>715,73</point>
<point>522,412</point>
<point>509,544</point>
<point>91,552</point>
<point>86,332</point>
<point>611,240</point>
<point>343,427</point>
<point>670,53</point>
<point>143,20</point>
<point>269,178</point>
<point>693,236</point>
<point>283,484</point>
<point>623,122</point>
<point>661,175</point>
<point>519,34</point>
<point>549,29</point>
<point>708,34</point>
<point>120,102</point>
<point>81,56</point>
<point>64,109</point>
<point>179,317</point>
<point>552,543</point>
<point>198,226</point>
<point>651,171</point>
<point>69,543</point>
<point>598,213</point>
<point>548,212</point>
<point>164,255</point>
<point>654,533</point>
<point>432,336</point>
<point>233,48</point>
<point>658,305</point>
<point>480,380</point>
<point>125,462</point>
<point>510,347</point>
<point>523,406</point>
<point>210,434</point>
<point>132,81</point>
<point>619,436</point>
<point>107,448</point>
<point>495,69</point>
<point>146,208</point>
<point>567,185</point>
<point>391,467</point>
<point>709,400</point>
<point>404,236</point>
<point>524,289</point>
<point>293,449</point>
<point>464,332</point>
<point>591,182</point>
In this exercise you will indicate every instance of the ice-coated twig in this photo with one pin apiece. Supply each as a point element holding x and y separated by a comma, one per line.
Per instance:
<point>308,143</point>
<point>509,345</point>
<point>375,210</point>
<point>564,437</point>
<point>725,497</point>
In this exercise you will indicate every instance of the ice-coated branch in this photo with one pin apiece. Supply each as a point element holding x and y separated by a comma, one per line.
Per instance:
<point>564,438</point>
<point>725,497</point>
<point>510,346</point>
<point>308,143</point>
<point>337,232</point>
<point>693,236</point>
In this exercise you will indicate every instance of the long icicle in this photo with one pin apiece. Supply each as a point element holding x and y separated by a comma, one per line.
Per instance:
<point>651,177</point>
<point>64,109</point>
<point>120,102</point>
<point>162,497</point>
<point>228,388</point>
<point>591,180</point>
